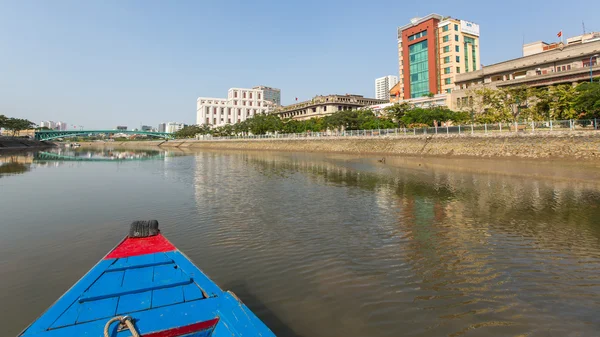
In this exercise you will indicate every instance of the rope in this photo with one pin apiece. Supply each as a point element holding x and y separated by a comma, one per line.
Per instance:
<point>124,320</point>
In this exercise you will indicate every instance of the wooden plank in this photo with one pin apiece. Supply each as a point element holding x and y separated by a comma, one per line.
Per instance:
<point>108,282</point>
<point>147,321</point>
<point>138,276</point>
<point>134,262</point>
<point>69,317</point>
<point>167,296</point>
<point>196,274</point>
<point>134,302</point>
<point>63,303</point>
<point>105,308</point>
<point>133,289</point>
<point>192,292</point>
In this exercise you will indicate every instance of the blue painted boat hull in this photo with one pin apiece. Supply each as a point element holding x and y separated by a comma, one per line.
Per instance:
<point>158,287</point>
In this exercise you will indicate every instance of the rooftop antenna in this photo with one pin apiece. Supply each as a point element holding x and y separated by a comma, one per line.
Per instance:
<point>583,25</point>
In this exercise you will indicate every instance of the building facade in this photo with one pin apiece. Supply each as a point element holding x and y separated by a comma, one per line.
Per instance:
<point>121,127</point>
<point>270,94</point>
<point>239,105</point>
<point>432,50</point>
<point>321,106</point>
<point>383,86</point>
<point>568,64</point>
<point>162,127</point>
<point>173,127</point>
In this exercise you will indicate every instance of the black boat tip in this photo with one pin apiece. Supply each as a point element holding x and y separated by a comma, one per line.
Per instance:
<point>143,228</point>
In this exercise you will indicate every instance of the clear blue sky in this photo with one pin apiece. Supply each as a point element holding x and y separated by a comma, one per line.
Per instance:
<point>118,62</point>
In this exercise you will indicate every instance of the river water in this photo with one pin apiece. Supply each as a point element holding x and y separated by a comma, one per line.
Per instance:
<point>322,245</point>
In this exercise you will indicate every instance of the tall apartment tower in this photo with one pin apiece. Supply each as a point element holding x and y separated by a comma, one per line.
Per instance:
<point>271,94</point>
<point>432,50</point>
<point>383,86</point>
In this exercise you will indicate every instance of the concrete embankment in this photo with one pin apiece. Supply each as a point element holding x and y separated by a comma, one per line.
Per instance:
<point>583,145</point>
<point>17,143</point>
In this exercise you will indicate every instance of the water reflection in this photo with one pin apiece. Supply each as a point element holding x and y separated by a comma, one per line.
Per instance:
<point>15,164</point>
<point>328,245</point>
<point>99,154</point>
<point>398,251</point>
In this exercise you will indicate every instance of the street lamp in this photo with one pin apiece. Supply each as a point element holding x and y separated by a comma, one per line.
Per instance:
<point>591,67</point>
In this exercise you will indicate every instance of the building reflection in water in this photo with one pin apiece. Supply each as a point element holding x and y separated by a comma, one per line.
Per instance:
<point>455,250</point>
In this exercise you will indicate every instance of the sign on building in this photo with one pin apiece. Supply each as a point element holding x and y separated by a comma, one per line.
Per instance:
<point>469,27</point>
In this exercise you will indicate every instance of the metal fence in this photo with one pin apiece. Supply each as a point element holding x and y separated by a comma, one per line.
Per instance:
<point>495,128</point>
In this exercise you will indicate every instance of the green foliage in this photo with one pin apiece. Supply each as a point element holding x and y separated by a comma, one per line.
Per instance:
<point>15,124</point>
<point>587,102</point>
<point>428,116</point>
<point>191,131</point>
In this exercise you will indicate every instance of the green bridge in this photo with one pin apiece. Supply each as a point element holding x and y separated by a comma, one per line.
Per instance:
<point>54,134</point>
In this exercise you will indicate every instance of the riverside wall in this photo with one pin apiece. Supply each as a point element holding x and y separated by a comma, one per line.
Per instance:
<point>17,143</point>
<point>574,144</point>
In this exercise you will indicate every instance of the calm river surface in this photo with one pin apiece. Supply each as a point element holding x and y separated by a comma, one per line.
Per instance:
<point>322,245</point>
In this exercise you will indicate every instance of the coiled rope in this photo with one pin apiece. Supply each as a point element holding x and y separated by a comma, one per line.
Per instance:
<point>125,321</point>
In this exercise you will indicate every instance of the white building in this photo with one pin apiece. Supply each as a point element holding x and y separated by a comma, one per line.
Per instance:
<point>239,105</point>
<point>383,86</point>
<point>172,127</point>
<point>48,124</point>
<point>62,126</point>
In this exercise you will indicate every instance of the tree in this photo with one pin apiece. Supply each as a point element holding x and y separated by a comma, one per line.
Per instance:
<point>397,111</point>
<point>561,102</point>
<point>587,102</point>
<point>3,120</point>
<point>17,124</point>
<point>190,131</point>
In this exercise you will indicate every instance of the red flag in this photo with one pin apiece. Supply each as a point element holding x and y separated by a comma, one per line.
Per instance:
<point>559,34</point>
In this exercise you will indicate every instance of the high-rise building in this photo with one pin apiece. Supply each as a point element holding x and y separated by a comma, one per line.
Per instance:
<point>270,94</point>
<point>121,128</point>
<point>146,128</point>
<point>432,50</point>
<point>48,124</point>
<point>239,105</point>
<point>62,126</point>
<point>173,127</point>
<point>383,86</point>
<point>162,127</point>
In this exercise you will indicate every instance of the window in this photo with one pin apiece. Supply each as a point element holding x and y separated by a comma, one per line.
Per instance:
<point>419,69</point>
<point>249,95</point>
<point>446,49</point>
<point>456,27</point>
<point>222,110</point>
<point>458,70</point>
<point>417,36</point>
<point>448,91</point>
<point>239,112</point>
<point>448,81</point>
<point>235,94</point>
<point>250,103</point>
<point>456,38</point>
<point>214,121</point>
<point>259,95</point>
<point>214,110</point>
<point>314,109</point>
<point>446,38</point>
<point>445,28</point>
<point>229,111</point>
<point>564,68</point>
<point>244,95</point>
<point>325,108</point>
<point>457,49</point>
<point>458,59</point>
<point>234,102</point>
<point>447,70</point>
<point>447,59</point>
